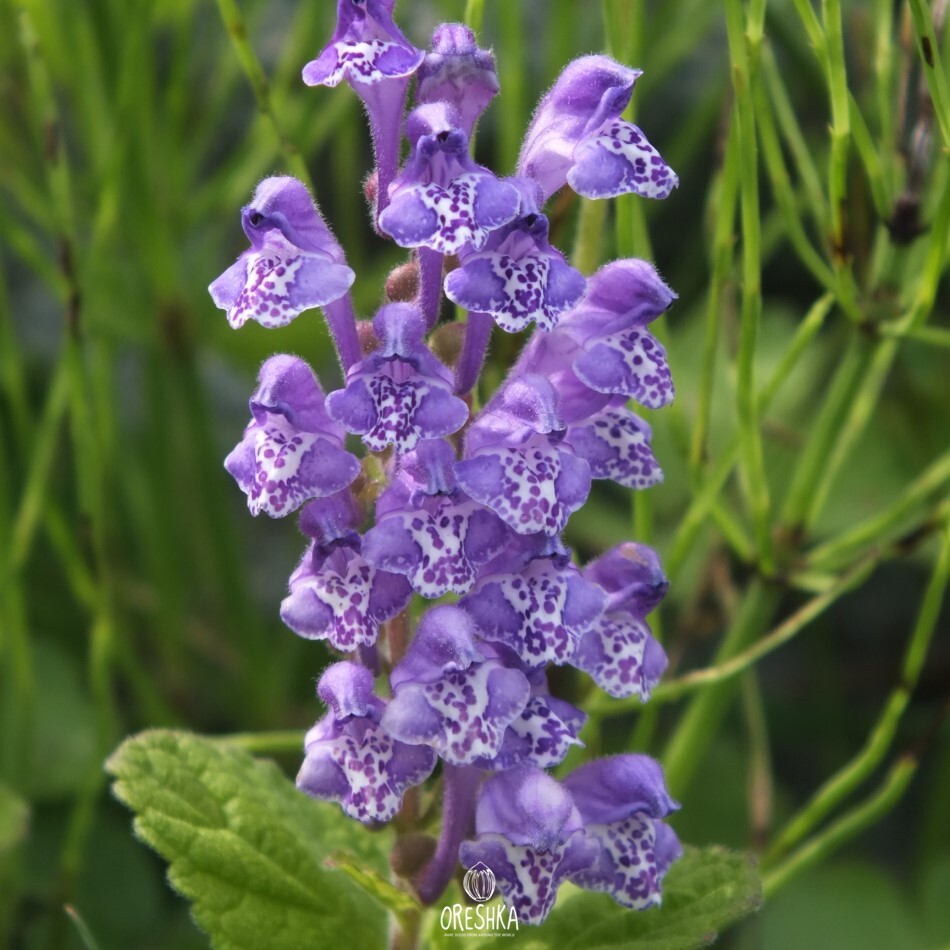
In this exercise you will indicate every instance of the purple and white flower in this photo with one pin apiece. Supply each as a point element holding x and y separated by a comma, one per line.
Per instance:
<point>291,450</point>
<point>294,262</point>
<point>349,758</point>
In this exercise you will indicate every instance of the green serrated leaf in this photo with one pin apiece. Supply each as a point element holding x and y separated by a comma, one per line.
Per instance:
<point>245,846</point>
<point>705,891</point>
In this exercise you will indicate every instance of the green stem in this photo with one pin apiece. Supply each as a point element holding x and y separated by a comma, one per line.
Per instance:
<point>234,24</point>
<point>715,479</point>
<point>265,743</point>
<point>723,250</point>
<point>750,437</point>
<point>933,67</point>
<point>695,730</point>
<point>881,736</point>
<point>588,244</point>
<point>742,661</point>
<point>843,830</point>
<point>879,526</point>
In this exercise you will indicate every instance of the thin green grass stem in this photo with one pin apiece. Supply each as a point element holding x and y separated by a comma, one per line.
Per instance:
<point>752,463</point>
<point>695,730</point>
<point>843,830</point>
<point>738,663</point>
<point>882,734</point>
<point>713,482</point>
<point>234,24</point>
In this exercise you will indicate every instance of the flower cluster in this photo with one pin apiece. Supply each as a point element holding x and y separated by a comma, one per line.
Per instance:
<point>470,509</point>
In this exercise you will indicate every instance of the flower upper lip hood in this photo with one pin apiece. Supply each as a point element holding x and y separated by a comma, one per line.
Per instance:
<point>458,72</point>
<point>283,203</point>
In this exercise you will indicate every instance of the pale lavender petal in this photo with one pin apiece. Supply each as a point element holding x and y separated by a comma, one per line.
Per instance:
<point>632,576</point>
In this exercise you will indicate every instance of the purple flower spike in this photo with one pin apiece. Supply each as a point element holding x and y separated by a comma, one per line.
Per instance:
<point>618,650</point>
<point>294,262</point>
<point>577,136</point>
<point>336,595</point>
<point>291,450</point>
<point>446,695</point>
<point>372,54</point>
<point>531,836</point>
<point>401,393</point>
<point>518,277</point>
<point>514,465</point>
<point>350,758</point>
<point>616,445</point>
<point>443,200</point>
<point>621,799</point>
<point>456,71</point>
<point>538,612</point>
<point>429,530</point>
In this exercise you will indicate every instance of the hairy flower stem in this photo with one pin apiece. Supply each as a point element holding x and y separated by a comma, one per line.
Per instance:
<point>460,784</point>
<point>477,334</point>
<point>342,323</point>
<point>430,284</point>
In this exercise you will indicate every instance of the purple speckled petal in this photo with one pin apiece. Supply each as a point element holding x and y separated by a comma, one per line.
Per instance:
<point>279,467</point>
<point>536,287</point>
<point>291,450</point>
<point>533,488</point>
<point>621,656</point>
<point>541,736</point>
<point>528,878</point>
<point>529,833</point>
<point>446,218</point>
<point>387,412</point>
<point>366,48</point>
<point>365,63</point>
<point>590,91</point>
<point>439,546</point>
<point>340,597</point>
<point>280,283</point>
<point>364,769</point>
<point>616,160</point>
<point>629,364</point>
<point>627,866</point>
<point>616,445</point>
<point>473,707</point>
<point>539,613</point>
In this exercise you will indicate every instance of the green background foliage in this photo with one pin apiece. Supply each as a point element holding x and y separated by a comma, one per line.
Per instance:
<point>803,519</point>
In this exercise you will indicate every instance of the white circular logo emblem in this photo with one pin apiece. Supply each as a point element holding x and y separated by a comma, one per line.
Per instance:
<point>479,882</point>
